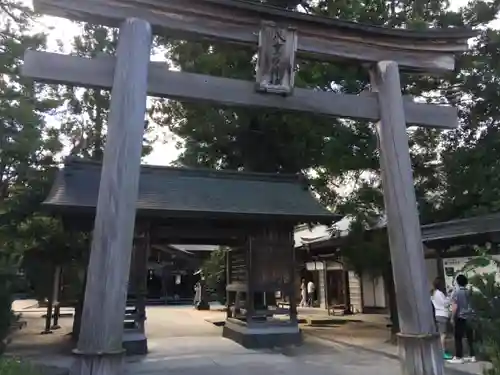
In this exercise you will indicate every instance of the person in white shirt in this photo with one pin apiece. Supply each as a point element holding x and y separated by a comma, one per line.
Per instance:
<point>441,305</point>
<point>310,293</point>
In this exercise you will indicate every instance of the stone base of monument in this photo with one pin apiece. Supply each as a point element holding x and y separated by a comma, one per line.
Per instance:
<point>135,342</point>
<point>267,336</point>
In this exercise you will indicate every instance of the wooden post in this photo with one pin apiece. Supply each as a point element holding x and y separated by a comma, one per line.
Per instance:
<point>50,303</point>
<point>57,291</point>
<point>292,294</point>
<point>228,281</point>
<point>99,350</point>
<point>164,282</point>
<point>419,345</point>
<point>81,298</point>
<point>141,275</point>
<point>250,292</point>
<point>326,290</point>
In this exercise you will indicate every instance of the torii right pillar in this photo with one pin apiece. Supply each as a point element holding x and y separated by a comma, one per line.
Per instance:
<point>419,344</point>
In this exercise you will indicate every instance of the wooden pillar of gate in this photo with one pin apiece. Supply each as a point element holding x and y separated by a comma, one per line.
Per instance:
<point>419,345</point>
<point>99,350</point>
<point>57,297</point>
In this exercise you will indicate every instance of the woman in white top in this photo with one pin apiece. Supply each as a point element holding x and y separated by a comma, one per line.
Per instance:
<point>441,305</point>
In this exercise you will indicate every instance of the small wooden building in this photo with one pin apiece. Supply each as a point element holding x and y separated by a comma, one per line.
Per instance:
<point>339,288</point>
<point>254,214</point>
<point>447,246</point>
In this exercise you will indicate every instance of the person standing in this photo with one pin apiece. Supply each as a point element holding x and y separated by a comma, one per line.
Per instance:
<point>441,304</point>
<point>462,315</point>
<point>310,293</point>
<point>303,293</point>
<point>197,293</point>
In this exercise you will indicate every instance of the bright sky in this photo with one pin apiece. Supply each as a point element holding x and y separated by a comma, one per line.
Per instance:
<point>62,32</point>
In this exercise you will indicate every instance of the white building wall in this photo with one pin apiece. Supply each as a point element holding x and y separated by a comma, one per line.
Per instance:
<point>355,294</point>
<point>373,291</point>
<point>321,289</point>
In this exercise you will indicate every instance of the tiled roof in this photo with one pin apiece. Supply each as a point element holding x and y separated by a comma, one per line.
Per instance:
<point>447,230</point>
<point>170,192</point>
<point>461,227</point>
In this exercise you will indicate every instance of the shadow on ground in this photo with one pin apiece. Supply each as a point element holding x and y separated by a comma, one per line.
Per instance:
<point>310,347</point>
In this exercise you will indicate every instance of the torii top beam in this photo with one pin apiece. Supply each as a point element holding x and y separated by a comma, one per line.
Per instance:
<point>239,21</point>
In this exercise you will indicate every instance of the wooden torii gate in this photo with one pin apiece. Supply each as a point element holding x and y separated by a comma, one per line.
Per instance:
<point>280,35</point>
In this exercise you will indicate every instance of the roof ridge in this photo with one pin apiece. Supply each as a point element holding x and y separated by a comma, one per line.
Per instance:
<point>488,216</point>
<point>203,172</point>
<point>449,33</point>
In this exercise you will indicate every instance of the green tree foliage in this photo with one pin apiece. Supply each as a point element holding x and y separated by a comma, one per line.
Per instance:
<point>7,278</point>
<point>364,247</point>
<point>12,366</point>
<point>27,143</point>
<point>214,271</point>
<point>85,111</point>
<point>28,146</point>
<point>340,156</point>
<point>52,245</point>
<point>82,117</point>
<point>486,303</point>
<point>470,165</point>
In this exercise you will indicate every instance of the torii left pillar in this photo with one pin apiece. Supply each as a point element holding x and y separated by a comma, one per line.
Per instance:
<point>99,350</point>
